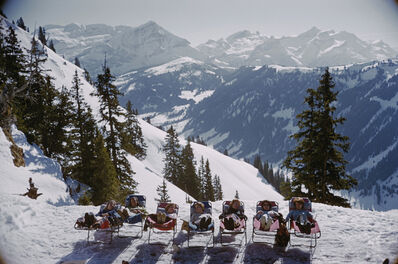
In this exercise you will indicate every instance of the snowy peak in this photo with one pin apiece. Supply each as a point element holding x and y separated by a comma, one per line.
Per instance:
<point>313,48</point>
<point>127,48</point>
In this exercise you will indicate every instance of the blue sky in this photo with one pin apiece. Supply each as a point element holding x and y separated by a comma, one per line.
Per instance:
<point>200,20</point>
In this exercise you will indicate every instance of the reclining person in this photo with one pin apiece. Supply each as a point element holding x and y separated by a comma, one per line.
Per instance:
<point>266,216</point>
<point>109,212</point>
<point>161,218</point>
<point>303,218</point>
<point>233,216</point>
<point>137,213</point>
<point>199,219</point>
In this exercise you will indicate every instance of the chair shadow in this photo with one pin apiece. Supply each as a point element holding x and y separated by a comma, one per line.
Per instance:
<point>97,253</point>
<point>147,253</point>
<point>265,253</point>
<point>226,254</point>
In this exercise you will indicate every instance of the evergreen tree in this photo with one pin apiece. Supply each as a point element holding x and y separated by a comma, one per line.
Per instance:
<point>218,194</point>
<point>51,46</point>
<point>87,76</point>
<point>111,114</point>
<point>21,23</point>
<point>12,80</point>
<point>317,162</point>
<point>163,193</point>
<point>237,195</point>
<point>77,62</point>
<point>172,170</point>
<point>42,35</point>
<point>29,109</point>
<point>209,189</point>
<point>201,178</point>
<point>188,180</point>
<point>133,140</point>
<point>104,183</point>
<point>225,152</point>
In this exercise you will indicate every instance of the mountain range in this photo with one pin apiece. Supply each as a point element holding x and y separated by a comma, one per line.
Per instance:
<point>130,48</point>
<point>221,91</point>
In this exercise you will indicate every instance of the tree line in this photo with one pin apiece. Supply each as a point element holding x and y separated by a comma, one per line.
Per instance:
<point>61,122</point>
<point>180,169</point>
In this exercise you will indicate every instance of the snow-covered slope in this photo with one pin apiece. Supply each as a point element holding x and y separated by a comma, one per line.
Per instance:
<point>126,48</point>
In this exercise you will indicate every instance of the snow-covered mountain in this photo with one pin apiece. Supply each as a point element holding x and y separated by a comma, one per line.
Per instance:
<point>131,48</point>
<point>127,48</point>
<point>252,111</point>
<point>312,48</point>
<point>165,92</point>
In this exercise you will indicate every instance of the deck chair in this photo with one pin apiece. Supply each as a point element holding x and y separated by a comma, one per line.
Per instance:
<point>315,233</point>
<point>210,229</point>
<point>137,221</point>
<point>241,229</point>
<point>271,232</point>
<point>168,226</point>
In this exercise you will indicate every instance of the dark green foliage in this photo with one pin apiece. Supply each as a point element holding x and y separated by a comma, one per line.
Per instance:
<point>317,162</point>
<point>105,184</point>
<point>42,35</point>
<point>51,46</point>
<point>85,199</point>
<point>225,152</point>
<point>77,62</point>
<point>133,140</point>
<point>172,162</point>
<point>113,129</point>
<point>188,180</point>
<point>21,23</point>
<point>87,76</point>
<point>209,188</point>
<point>218,194</point>
<point>12,81</point>
<point>163,193</point>
<point>276,179</point>
<point>201,178</point>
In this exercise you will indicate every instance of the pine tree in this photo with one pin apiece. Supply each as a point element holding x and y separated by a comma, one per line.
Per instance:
<point>317,162</point>
<point>188,180</point>
<point>21,23</point>
<point>42,35</point>
<point>133,140</point>
<point>209,189</point>
<point>77,62</point>
<point>172,170</point>
<point>51,46</point>
<point>237,195</point>
<point>201,178</point>
<point>29,109</point>
<point>225,152</point>
<point>111,114</point>
<point>163,193</point>
<point>104,181</point>
<point>13,85</point>
<point>87,76</point>
<point>218,194</point>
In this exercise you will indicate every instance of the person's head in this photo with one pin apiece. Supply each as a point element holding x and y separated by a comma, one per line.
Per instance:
<point>298,203</point>
<point>170,208</point>
<point>110,204</point>
<point>199,208</point>
<point>266,205</point>
<point>235,204</point>
<point>133,202</point>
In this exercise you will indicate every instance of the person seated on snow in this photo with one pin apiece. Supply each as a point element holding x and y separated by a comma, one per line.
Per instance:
<point>160,217</point>
<point>199,220</point>
<point>109,212</point>
<point>303,218</point>
<point>266,216</point>
<point>233,216</point>
<point>137,213</point>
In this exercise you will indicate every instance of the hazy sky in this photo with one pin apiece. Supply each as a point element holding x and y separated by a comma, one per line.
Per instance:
<point>200,20</point>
